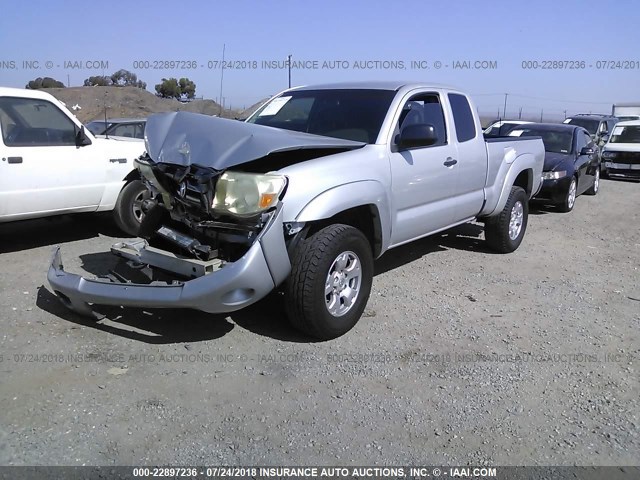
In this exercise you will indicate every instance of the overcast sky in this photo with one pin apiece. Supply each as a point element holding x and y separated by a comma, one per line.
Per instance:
<point>383,38</point>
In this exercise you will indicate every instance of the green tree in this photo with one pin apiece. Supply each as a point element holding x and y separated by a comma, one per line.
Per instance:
<point>46,82</point>
<point>125,78</point>
<point>98,80</point>
<point>187,88</point>
<point>168,88</point>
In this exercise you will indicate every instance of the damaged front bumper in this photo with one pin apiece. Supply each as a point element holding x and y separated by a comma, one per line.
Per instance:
<point>220,288</point>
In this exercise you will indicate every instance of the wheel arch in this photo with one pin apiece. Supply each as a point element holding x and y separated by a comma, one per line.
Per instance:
<point>363,205</point>
<point>516,177</point>
<point>525,181</point>
<point>131,176</point>
<point>365,218</point>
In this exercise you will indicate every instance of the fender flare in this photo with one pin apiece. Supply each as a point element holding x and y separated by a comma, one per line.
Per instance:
<point>522,163</point>
<point>351,195</point>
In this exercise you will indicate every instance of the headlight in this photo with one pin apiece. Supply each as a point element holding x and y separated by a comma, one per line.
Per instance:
<point>608,154</point>
<point>147,173</point>
<point>553,175</point>
<point>247,194</point>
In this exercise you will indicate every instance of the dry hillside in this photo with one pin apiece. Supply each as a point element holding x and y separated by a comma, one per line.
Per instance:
<point>129,102</point>
<point>244,114</point>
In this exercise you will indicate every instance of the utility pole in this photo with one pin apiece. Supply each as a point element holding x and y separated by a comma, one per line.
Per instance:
<point>541,112</point>
<point>520,114</point>
<point>221,77</point>
<point>504,113</point>
<point>105,113</point>
<point>68,80</point>
<point>565,114</point>
<point>289,65</point>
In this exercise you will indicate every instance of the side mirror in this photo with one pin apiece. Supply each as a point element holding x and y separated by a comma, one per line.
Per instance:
<point>417,135</point>
<point>587,151</point>
<point>605,138</point>
<point>82,140</point>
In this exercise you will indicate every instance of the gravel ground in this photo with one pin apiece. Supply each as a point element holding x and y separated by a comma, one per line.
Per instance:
<point>462,357</point>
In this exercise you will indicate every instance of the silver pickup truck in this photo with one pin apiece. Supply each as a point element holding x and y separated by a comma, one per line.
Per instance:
<point>304,195</point>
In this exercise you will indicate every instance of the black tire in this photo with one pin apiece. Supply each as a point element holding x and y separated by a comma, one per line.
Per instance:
<point>312,261</point>
<point>567,204</point>
<point>128,213</point>
<point>595,188</point>
<point>497,228</point>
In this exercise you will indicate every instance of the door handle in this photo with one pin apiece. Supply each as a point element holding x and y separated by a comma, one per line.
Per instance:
<point>450,162</point>
<point>14,159</point>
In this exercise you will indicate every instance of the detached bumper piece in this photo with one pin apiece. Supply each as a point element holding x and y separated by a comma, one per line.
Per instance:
<point>215,287</point>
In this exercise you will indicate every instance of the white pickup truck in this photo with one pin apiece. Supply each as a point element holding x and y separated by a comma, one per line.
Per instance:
<point>304,195</point>
<point>50,164</point>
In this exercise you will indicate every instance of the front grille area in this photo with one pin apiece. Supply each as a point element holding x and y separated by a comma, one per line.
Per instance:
<point>632,158</point>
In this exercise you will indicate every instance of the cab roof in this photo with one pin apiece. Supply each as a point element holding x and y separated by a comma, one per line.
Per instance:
<point>24,92</point>
<point>373,85</point>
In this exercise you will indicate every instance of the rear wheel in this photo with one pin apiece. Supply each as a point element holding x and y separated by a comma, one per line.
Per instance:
<point>330,281</point>
<point>504,232</point>
<point>570,198</point>
<point>128,212</point>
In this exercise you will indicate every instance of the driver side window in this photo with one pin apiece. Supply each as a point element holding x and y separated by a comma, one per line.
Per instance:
<point>581,141</point>
<point>424,109</point>
<point>34,122</point>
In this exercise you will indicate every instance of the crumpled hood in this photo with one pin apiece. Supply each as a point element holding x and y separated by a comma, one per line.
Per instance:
<point>552,160</point>
<point>185,138</point>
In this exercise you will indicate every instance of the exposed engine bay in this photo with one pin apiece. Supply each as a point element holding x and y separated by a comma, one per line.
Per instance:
<point>212,195</point>
<point>187,214</point>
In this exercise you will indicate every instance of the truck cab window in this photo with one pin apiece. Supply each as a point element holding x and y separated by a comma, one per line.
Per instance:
<point>424,109</point>
<point>29,122</point>
<point>463,117</point>
<point>124,130</point>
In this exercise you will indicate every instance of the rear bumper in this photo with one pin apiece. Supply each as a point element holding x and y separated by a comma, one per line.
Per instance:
<point>231,287</point>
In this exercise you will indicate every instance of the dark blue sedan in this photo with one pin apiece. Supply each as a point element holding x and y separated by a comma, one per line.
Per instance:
<point>571,163</point>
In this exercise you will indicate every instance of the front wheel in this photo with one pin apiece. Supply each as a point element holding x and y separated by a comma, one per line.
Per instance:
<point>128,212</point>
<point>504,232</point>
<point>330,281</point>
<point>596,184</point>
<point>570,197</point>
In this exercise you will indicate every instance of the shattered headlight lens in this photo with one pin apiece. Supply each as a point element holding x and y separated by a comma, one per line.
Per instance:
<point>247,194</point>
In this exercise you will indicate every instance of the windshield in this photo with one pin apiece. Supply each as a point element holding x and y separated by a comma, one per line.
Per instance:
<point>554,141</point>
<point>590,125</point>
<point>348,114</point>
<point>500,129</point>
<point>629,134</point>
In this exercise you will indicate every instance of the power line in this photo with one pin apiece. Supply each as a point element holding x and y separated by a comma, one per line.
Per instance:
<point>540,98</point>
